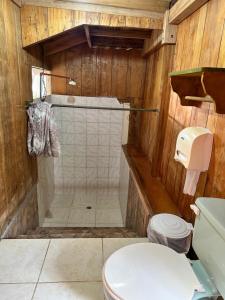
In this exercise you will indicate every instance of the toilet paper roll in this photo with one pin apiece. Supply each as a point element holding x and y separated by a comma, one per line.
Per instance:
<point>191,181</point>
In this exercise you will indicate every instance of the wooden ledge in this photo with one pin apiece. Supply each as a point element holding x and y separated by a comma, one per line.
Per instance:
<point>154,195</point>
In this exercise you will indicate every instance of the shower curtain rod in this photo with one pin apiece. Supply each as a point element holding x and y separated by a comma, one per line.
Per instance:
<point>107,108</point>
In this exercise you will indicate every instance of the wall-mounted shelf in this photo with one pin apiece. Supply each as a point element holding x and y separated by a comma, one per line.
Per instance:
<point>199,85</point>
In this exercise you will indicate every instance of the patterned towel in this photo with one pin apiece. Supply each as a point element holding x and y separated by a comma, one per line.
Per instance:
<point>42,131</point>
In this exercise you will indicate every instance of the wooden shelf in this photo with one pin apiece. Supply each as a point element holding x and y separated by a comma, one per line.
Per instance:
<point>199,85</point>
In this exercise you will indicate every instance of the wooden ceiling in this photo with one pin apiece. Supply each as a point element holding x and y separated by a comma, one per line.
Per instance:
<point>97,37</point>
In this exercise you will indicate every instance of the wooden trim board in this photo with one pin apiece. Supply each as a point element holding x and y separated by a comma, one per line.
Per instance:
<point>94,8</point>
<point>183,9</point>
<point>17,2</point>
<point>167,36</point>
<point>149,5</point>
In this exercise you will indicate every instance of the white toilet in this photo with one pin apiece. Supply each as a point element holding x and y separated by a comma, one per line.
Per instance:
<point>148,271</point>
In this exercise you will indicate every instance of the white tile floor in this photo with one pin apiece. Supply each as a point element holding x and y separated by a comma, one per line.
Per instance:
<point>57,269</point>
<point>70,209</point>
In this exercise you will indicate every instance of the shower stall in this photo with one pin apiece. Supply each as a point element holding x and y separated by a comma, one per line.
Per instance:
<point>87,186</point>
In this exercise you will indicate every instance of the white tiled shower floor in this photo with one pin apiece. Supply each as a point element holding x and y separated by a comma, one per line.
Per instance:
<point>56,269</point>
<point>85,208</point>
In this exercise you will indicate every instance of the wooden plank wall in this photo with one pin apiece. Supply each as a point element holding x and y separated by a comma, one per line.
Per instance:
<point>200,42</point>
<point>39,23</point>
<point>99,72</point>
<point>156,95</point>
<point>17,171</point>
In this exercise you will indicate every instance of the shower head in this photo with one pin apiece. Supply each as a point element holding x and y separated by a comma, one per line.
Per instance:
<point>72,82</point>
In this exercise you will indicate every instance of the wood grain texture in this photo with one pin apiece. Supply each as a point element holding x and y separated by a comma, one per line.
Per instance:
<point>17,2</point>
<point>89,7</point>
<point>70,40</point>
<point>204,47</point>
<point>183,9</point>
<point>137,215</point>
<point>18,172</point>
<point>40,23</point>
<point>158,38</point>
<point>118,33</point>
<point>99,72</point>
<point>157,92</point>
<point>147,195</point>
<point>151,5</point>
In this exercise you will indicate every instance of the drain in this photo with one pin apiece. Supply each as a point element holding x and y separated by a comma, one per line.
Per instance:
<point>88,207</point>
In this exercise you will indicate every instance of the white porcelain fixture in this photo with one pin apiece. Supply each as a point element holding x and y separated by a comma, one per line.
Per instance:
<point>152,271</point>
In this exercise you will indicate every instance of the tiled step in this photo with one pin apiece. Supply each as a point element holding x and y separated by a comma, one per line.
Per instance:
<point>79,232</point>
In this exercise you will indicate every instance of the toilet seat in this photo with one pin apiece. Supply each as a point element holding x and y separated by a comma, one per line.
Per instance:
<point>147,271</point>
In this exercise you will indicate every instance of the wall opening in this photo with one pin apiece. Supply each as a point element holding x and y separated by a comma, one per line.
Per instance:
<point>45,83</point>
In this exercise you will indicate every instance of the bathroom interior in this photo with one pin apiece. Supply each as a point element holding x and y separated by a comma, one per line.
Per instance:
<point>112,149</point>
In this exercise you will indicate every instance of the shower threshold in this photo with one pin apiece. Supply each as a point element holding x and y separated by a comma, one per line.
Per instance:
<point>79,232</point>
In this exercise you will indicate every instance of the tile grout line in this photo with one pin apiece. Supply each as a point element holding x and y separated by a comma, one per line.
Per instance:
<point>102,253</point>
<point>95,210</point>
<point>63,281</point>
<point>41,269</point>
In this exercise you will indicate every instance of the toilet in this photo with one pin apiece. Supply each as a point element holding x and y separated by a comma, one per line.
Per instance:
<point>147,271</point>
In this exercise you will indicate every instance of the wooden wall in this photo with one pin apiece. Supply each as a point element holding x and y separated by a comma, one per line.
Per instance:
<point>17,170</point>
<point>156,95</point>
<point>51,21</point>
<point>200,42</point>
<point>99,72</point>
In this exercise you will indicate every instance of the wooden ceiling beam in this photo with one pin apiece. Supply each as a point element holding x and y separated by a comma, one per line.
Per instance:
<point>63,43</point>
<point>130,34</point>
<point>87,34</point>
<point>183,9</point>
<point>159,6</point>
<point>150,5</point>
<point>96,8</point>
<point>17,2</point>
<point>117,43</point>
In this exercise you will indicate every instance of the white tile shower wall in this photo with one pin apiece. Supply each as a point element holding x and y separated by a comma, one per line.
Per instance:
<point>124,185</point>
<point>45,185</point>
<point>91,143</point>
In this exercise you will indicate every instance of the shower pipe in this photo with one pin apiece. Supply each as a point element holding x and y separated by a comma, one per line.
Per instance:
<point>42,74</point>
<point>72,82</point>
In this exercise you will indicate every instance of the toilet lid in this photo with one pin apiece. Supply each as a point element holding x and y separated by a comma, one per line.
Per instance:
<point>149,271</point>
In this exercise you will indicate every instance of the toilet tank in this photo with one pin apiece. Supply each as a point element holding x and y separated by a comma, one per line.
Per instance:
<point>209,238</point>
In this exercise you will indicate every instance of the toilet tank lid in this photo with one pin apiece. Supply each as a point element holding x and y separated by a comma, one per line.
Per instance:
<point>214,210</point>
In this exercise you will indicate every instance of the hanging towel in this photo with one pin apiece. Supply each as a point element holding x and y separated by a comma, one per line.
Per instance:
<point>42,130</point>
<point>191,181</point>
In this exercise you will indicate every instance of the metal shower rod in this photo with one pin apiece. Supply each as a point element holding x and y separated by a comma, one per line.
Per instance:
<point>107,108</point>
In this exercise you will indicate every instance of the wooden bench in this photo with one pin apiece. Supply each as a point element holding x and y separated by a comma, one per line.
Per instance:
<point>147,195</point>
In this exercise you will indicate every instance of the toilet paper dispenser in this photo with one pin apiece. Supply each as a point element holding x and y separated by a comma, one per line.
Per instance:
<point>193,151</point>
